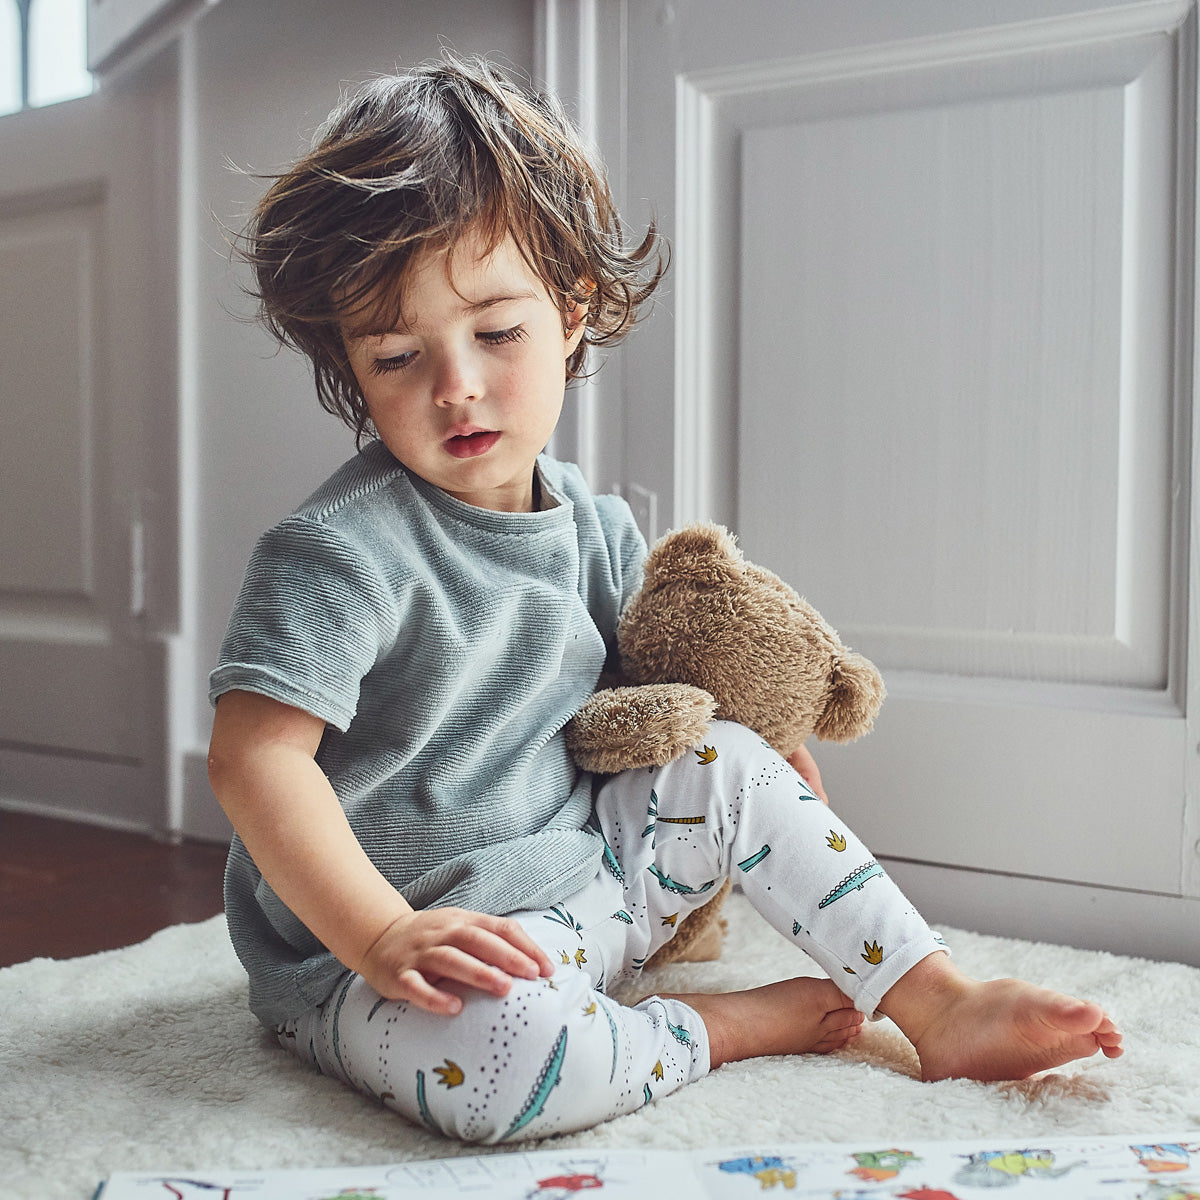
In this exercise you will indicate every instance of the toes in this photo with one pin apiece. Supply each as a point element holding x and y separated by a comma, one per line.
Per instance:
<point>836,1040</point>
<point>1077,1016</point>
<point>838,1029</point>
<point>843,1018</point>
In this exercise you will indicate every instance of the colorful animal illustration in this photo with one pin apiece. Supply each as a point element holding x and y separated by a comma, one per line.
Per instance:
<point>1160,1189</point>
<point>1003,1168</point>
<point>770,1170</point>
<point>547,1080</point>
<point>680,889</point>
<point>748,864</point>
<point>680,1034</point>
<point>195,1187</point>
<point>853,882</point>
<point>876,1166</point>
<point>1168,1156</point>
<point>559,1187</point>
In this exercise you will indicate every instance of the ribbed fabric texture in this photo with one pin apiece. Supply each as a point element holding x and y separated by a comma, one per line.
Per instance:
<point>446,646</point>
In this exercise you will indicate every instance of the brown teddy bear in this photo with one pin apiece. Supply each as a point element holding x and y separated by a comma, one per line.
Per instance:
<point>710,635</point>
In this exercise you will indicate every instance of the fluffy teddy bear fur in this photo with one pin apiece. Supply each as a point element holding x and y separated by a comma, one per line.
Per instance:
<point>710,635</point>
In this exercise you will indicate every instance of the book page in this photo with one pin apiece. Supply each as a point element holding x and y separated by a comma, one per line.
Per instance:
<point>1154,1167</point>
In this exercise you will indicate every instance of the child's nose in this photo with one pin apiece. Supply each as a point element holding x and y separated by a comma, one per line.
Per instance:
<point>457,380</point>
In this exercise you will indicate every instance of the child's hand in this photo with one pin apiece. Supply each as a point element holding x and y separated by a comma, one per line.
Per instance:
<point>420,949</point>
<point>806,766</point>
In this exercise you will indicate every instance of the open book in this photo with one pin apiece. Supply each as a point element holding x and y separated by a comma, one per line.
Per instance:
<point>1150,1167</point>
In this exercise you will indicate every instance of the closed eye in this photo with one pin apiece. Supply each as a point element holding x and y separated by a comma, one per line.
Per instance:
<point>490,337</point>
<point>398,362</point>
<point>498,337</point>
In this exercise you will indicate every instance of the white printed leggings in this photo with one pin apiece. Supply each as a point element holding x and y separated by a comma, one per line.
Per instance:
<point>559,1054</point>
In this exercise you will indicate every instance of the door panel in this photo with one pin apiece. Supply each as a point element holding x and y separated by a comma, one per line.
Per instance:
<point>46,541</point>
<point>1001,268</point>
<point>87,338</point>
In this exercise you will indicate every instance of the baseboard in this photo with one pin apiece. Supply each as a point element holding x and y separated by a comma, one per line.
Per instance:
<point>117,794</point>
<point>65,812</point>
<point>1139,924</point>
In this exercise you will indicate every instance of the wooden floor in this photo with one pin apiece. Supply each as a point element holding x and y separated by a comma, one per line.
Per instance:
<point>68,889</point>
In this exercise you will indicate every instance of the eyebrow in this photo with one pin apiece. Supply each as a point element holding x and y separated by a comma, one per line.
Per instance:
<point>361,333</point>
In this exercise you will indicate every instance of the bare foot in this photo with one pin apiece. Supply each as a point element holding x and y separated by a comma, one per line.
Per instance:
<point>1000,1029</point>
<point>794,1016</point>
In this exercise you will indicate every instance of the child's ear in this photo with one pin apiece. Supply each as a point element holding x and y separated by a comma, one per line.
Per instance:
<point>574,324</point>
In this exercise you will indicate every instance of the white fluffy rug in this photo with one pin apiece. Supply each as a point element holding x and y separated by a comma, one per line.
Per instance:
<point>146,1058</point>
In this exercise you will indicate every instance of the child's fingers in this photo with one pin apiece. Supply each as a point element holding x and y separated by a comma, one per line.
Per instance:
<point>420,985</point>
<point>503,942</point>
<point>474,949</point>
<point>496,950</point>
<point>450,962</point>
<point>416,989</point>
<point>514,933</point>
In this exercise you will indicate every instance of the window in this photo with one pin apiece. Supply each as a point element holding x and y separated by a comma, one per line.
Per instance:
<point>43,52</point>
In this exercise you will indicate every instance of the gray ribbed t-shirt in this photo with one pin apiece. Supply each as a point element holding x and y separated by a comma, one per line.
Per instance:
<point>445,647</point>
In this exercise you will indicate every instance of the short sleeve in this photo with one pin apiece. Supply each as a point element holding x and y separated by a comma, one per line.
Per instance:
<point>312,617</point>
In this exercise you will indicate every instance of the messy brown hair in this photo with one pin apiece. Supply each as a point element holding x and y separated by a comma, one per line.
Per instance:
<point>410,162</point>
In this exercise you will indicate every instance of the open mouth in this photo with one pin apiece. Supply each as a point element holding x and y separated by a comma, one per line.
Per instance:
<point>471,445</point>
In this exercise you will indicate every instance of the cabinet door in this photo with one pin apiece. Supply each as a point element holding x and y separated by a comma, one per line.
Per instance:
<point>928,350</point>
<point>88,345</point>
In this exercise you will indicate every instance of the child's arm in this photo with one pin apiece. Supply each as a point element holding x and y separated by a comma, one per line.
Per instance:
<point>263,772</point>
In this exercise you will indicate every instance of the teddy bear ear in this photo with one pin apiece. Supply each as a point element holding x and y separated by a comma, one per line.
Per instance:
<point>855,694</point>
<point>701,553</point>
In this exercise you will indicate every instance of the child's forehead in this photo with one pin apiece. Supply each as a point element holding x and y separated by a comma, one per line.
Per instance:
<point>466,277</point>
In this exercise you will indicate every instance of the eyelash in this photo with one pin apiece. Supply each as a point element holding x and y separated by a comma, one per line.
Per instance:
<point>401,362</point>
<point>388,366</point>
<point>500,336</point>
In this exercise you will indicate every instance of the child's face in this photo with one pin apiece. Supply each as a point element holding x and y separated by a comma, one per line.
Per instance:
<point>468,392</point>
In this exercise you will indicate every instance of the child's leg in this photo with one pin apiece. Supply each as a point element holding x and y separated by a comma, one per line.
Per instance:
<point>807,873</point>
<point>734,808</point>
<point>550,1057</point>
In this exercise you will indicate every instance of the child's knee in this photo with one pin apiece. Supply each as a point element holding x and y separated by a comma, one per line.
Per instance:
<point>502,1068</point>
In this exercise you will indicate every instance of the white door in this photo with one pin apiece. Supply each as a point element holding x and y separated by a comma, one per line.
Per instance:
<point>87,341</point>
<point>928,350</point>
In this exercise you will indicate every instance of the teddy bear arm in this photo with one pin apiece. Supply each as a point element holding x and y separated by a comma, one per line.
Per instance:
<point>647,726</point>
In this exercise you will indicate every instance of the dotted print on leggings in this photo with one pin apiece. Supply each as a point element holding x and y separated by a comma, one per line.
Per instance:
<point>497,1062</point>
<point>396,1011</point>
